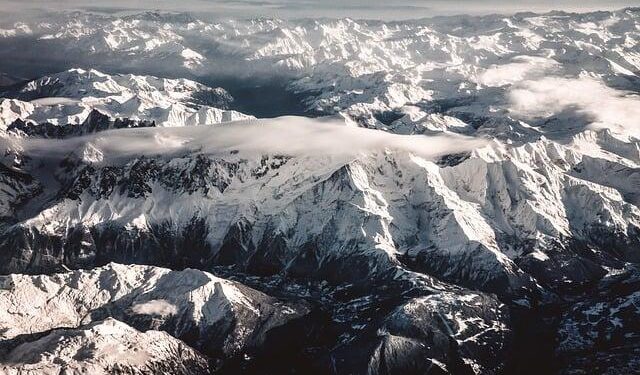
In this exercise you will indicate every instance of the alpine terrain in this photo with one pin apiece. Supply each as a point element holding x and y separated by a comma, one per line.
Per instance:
<point>449,195</point>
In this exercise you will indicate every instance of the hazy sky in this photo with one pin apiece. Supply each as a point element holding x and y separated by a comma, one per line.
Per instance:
<point>318,8</point>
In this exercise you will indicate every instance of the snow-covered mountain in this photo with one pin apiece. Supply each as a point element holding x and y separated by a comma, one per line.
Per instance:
<point>105,347</point>
<point>69,97</point>
<point>219,317</point>
<point>471,204</point>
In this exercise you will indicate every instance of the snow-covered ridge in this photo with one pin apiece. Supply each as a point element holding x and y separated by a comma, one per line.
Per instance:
<point>68,98</point>
<point>102,348</point>
<point>189,304</point>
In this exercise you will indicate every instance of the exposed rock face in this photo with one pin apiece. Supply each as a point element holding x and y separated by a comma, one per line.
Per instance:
<point>600,334</point>
<point>95,122</point>
<point>440,333</point>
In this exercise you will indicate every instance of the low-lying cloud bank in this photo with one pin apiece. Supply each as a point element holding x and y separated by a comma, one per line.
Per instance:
<point>607,107</point>
<point>294,136</point>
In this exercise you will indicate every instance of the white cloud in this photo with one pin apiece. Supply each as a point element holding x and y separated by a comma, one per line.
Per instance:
<point>522,67</point>
<point>155,307</point>
<point>607,107</point>
<point>290,135</point>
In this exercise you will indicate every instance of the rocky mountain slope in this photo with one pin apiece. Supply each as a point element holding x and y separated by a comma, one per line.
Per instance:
<point>470,206</point>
